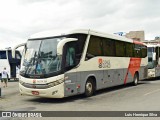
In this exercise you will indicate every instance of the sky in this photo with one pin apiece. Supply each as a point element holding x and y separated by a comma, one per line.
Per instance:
<point>19,19</point>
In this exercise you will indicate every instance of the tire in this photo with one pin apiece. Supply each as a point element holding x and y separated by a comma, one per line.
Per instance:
<point>89,88</point>
<point>135,79</point>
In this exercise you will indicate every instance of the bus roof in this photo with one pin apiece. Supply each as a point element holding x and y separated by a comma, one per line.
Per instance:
<point>49,34</point>
<point>153,45</point>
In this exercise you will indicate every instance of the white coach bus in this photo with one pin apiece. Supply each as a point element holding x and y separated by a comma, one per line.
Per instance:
<point>11,64</point>
<point>153,60</point>
<point>79,62</point>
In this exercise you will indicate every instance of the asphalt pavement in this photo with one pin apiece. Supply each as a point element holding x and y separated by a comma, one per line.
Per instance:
<point>143,97</point>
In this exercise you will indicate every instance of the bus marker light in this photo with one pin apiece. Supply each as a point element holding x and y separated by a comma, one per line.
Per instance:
<point>78,86</point>
<point>68,89</point>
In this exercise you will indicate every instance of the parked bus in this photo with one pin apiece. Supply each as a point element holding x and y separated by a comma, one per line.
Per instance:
<point>11,64</point>
<point>153,60</point>
<point>79,62</point>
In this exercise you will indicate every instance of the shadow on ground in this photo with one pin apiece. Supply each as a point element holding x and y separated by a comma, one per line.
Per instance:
<point>78,97</point>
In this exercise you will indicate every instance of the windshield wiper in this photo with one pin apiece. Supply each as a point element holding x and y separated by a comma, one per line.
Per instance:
<point>31,63</point>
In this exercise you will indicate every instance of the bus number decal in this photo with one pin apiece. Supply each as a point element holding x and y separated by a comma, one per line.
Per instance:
<point>104,63</point>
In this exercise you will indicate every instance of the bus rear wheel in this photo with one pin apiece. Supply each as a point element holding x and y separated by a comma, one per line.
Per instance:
<point>135,79</point>
<point>89,88</point>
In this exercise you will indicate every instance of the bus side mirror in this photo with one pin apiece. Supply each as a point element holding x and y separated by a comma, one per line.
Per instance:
<point>14,50</point>
<point>62,43</point>
<point>154,56</point>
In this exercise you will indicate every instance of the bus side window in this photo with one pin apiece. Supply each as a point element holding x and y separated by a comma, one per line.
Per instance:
<point>70,60</point>
<point>18,55</point>
<point>3,55</point>
<point>94,47</point>
<point>129,50</point>
<point>137,51</point>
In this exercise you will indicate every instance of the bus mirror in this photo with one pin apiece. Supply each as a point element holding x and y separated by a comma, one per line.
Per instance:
<point>154,56</point>
<point>62,43</point>
<point>14,49</point>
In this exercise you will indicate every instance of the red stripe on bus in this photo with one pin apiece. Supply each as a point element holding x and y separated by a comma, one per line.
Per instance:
<point>137,42</point>
<point>134,65</point>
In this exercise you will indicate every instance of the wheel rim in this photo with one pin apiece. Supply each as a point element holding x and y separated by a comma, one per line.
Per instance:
<point>89,87</point>
<point>136,80</point>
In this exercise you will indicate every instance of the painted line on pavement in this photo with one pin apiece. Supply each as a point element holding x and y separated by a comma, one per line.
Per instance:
<point>151,92</point>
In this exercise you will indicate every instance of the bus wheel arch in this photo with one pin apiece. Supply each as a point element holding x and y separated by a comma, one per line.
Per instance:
<point>136,78</point>
<point>90,86</point>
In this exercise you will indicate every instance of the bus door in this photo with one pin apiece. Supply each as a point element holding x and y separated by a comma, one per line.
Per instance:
<point>157,66</point>
<point>14,63</point>
<point>69,65</point>
<point>157,55</point>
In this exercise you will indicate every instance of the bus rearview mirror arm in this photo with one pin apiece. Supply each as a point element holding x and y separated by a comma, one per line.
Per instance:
<point>14,49</point>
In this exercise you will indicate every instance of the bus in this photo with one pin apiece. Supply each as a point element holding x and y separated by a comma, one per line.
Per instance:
<point>153,60</point>
<point>79,62</point>
<point>11,64</point>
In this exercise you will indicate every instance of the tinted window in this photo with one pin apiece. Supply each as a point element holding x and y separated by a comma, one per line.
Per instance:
<point>99,46</point>
<point>129,50</point>
<point>3,55</point>
<point>144,51</point>
<point>95,46</point>
<point>79,45</point>
<point>9,55</point>
<point>120,49</point>
<point>137,50</point>
<point>157,52</point>
<point>108,47</point>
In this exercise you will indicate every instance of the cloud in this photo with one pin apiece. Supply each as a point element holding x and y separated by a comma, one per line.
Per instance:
<point>21,18</point>
<point>98,9</point>
<point>143,9</point>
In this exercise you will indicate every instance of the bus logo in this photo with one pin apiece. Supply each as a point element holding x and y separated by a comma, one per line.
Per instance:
<point>104,63</point>
<point>34,81</point>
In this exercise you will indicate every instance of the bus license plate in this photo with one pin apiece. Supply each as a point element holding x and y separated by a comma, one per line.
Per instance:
<point>35,92</point>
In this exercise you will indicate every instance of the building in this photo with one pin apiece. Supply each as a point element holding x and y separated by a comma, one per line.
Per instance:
<point>136,35</point>
<point>155,41</point>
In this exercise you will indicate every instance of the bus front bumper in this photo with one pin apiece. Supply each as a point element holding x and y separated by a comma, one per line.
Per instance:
<point>53,92</point>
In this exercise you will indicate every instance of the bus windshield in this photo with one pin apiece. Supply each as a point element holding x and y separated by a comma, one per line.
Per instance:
<point>40,57</point>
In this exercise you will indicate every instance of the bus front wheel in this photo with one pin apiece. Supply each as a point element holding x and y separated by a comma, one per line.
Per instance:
<point>89,87</point>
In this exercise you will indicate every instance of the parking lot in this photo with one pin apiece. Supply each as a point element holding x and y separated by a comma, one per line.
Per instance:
<point>144,97</point>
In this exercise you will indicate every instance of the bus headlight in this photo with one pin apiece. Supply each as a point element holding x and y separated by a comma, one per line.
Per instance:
<point>57,82</point>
